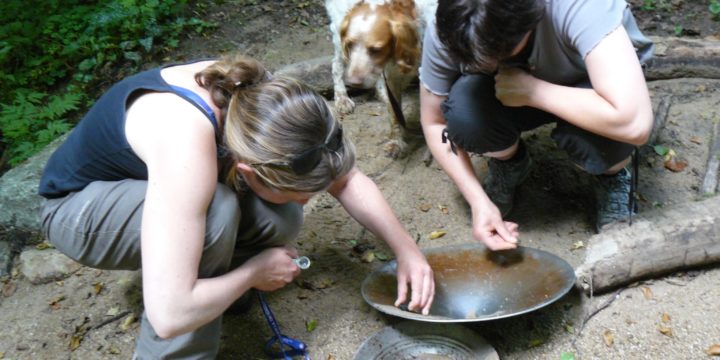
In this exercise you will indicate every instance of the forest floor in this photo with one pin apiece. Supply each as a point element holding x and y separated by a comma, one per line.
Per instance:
<point>90,314</point>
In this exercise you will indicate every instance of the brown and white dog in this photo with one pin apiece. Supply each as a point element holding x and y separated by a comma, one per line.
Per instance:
<point>377,42</point>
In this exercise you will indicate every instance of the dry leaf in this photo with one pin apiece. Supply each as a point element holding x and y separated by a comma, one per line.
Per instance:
<point>374,114</point>
<point>696,140</point>
<point>443,209</point>
<point>647,292</point>
<point>425,207</point>
<point>113,311</point>
<point>608,337</point>
<point>331,357</point>
<point>129,320</point>
<point>114,350</point>
<point>713,350</point>
<point>569,328</point>
<point>578,245</point>
<point>98,286</point>
<point>665,318</point>
<point>55,302</point>
<point>437,234</point>
<point>44,245</point>
<point>535,342</point>
<point>75,341</point>
<point>672,163</point>
<point>8,289</point>
<point>665,330</point>
<point>368,257</point>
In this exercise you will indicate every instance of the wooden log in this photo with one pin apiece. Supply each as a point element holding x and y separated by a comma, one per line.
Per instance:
<point>684,57</point>
<point>661,113</point>
<point>658,242</point>
<point>710,182</point>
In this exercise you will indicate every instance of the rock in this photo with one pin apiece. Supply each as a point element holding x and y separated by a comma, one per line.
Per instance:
<point>5,258</point>
<point>315,72</point>
<point>18,192</point>
<point>44,266</point>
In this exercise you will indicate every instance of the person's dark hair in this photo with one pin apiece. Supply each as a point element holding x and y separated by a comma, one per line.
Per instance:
<point>480,33</point>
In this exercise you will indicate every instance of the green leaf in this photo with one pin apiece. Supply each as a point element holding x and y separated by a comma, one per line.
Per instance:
<point>678,30</point>
<point>661,150</point>
<point>567,356</point>
<point>714,8</point>
<point>311,325</point>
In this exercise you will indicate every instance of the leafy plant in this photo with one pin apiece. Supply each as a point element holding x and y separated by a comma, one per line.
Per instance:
<point>714,9</point>
<point>53,53</point>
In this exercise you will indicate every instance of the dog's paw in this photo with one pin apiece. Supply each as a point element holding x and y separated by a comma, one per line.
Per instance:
<point>343,104</point>
<point>395,149</point>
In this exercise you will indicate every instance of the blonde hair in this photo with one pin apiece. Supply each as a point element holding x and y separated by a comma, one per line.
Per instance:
<point>271,120</point>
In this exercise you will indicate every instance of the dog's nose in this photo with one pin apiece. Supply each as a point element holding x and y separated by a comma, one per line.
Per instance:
<point>354,80</point>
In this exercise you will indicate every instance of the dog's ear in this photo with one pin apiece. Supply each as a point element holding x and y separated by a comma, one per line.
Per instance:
<point>406,50</point>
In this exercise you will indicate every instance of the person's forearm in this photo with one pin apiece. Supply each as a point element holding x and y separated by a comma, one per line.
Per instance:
<point>205,301</point>
<point>586,109</point>
<point>362,199</point>
<point>456,165</point>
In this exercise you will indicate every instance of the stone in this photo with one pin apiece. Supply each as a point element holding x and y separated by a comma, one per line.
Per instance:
<point>44,266</point>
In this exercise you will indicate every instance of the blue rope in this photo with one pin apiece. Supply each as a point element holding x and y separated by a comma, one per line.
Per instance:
<point>297,347</point>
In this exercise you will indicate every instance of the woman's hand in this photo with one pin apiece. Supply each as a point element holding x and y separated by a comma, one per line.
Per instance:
<point>273,268</point>
<point>514,87</point>
<point>489,227</point>
<point>413,269</point>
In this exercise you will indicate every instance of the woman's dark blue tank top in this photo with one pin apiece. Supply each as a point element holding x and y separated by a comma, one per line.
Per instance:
<point>97,148</point>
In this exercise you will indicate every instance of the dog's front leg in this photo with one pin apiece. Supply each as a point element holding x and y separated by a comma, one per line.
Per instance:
<point>396,146</point>
<point>343,103</point>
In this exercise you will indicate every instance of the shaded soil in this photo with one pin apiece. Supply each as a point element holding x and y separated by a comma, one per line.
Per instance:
<point>554,209</point>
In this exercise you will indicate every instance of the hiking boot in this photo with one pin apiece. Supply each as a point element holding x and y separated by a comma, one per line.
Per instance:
<point>612,194</point>
<point>503,178</point>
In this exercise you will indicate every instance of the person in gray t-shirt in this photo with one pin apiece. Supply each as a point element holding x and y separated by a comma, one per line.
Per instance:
<point>492,69</point>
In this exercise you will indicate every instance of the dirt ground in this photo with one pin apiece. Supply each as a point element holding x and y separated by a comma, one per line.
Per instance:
<point>89,315</point>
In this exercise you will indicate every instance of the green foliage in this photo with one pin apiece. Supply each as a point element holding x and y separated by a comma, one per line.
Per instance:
<point>34,119</point>
<point>714,9</point>
<point>66,48</point>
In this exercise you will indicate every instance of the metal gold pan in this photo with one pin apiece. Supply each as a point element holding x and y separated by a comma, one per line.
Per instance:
<point>475,284</point>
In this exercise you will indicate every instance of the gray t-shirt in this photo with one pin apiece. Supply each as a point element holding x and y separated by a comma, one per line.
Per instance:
<point>567,33</point>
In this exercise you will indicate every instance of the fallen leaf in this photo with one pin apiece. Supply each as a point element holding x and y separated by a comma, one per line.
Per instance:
<point>8,289</point>
<point>696,140</point>
<point>665,331</point>
<point>567,356</point>
<point>114,350</point>
<point>443,209</point>
<point>382,256</point>
<point>311,325</point>
<point>578,245</point>
<point>129,320</point>
<point>569,328</point>
<point>713,350</point>
<point>608,337</point>
<point>98,286</point>
<point>661,150</point>
<point>437,234</point>
<point>44,245</point>
<point>374,114</point>
<point>113,311</point>
<point>331,357</point>
<point>367,257</point>
<point>675,165</point>
<point>665,318</point>
<point>55,302</point>
<point>75,341</point>
<point>425,207</point>
<point>535,342</point>
<point>647,293</point>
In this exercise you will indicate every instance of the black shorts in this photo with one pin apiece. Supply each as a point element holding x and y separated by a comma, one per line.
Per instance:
<point>478,123</point>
